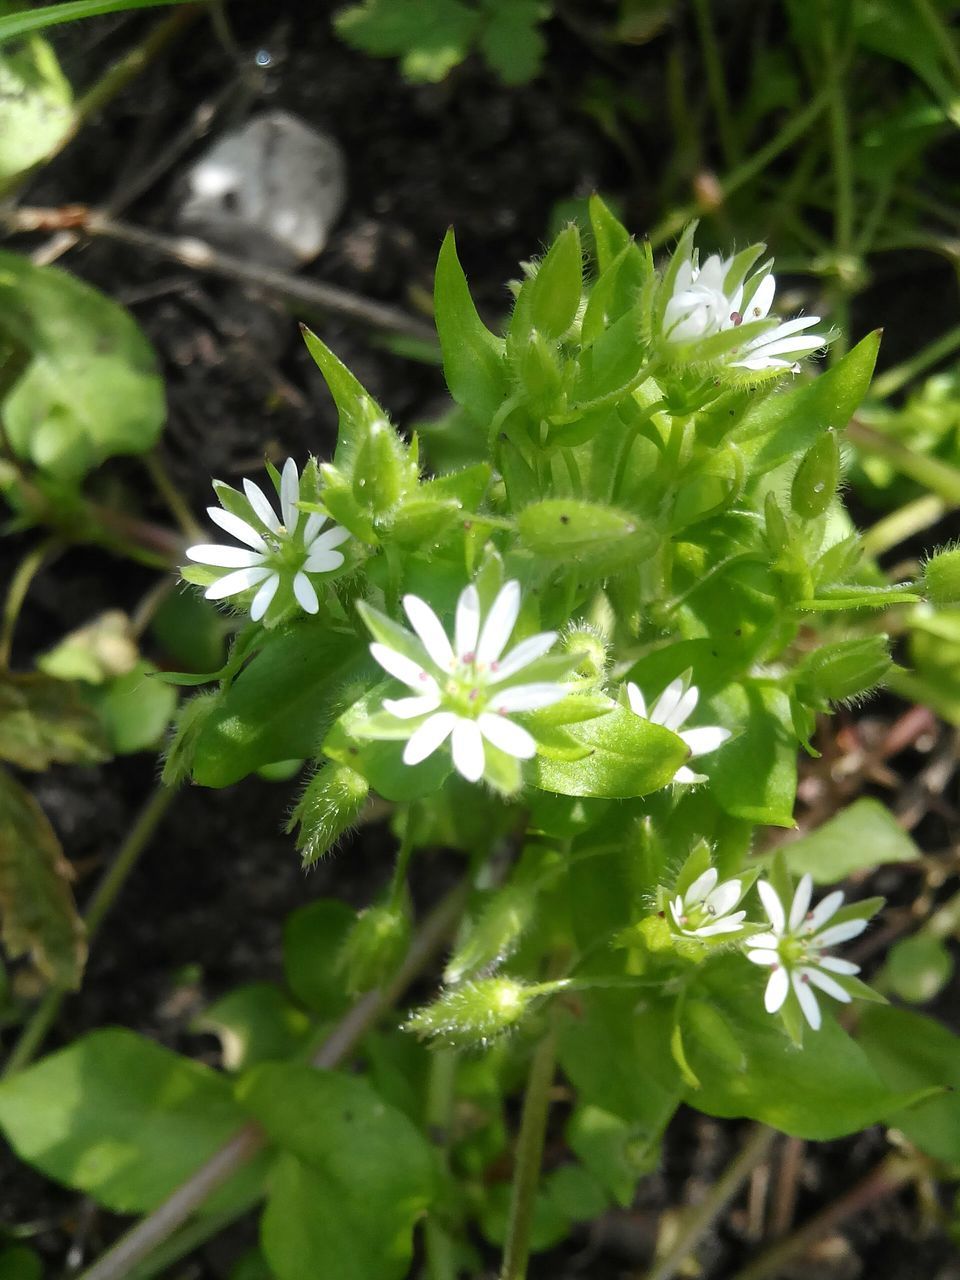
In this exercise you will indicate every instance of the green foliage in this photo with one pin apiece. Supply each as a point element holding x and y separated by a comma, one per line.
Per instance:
<point>13,25</point>
<point>865,834</point>
<point>91,389</point>
<point>431,37</point>
<point>36,107</point>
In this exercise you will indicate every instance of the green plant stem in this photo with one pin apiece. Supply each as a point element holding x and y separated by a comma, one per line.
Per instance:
<point>716,82</point>
<point>889,1175</point>
<point>932,473</point>
<point>891,381</point>
<point>441,1094</point>
<point>840,142</point>
<point>138,837</point>
<point>158,1228</point>
<point>172,496</point>
<point>698,1221</point>
<point>24,574</point>
<point>934,23</point>
<point>907,521</point>
<point>529,1154</point>
<point>795,127</point>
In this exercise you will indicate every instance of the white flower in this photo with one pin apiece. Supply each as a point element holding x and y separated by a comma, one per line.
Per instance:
<point>672,710</point>
<point>465,689</point>
<point>706,908</point>
<point>276,550</point>
<point>708,300</point>
<point>793,948</point>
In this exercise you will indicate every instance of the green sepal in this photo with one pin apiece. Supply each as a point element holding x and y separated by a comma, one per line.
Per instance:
<point>473,361</point>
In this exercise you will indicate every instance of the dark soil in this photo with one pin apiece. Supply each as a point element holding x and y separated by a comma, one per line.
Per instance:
<point>204,910</point>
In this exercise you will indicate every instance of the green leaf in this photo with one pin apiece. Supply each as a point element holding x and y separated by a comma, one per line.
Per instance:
<point>473,357</point>
<point>43,721</point>
<point>510,39</point>
<point>380,760</point>
<point>135,709</point>
<point>91,390</point>
<point>628,757</point>
<point>313,939</point>
<point>255,1023</point>
<point>431,36</point>
<point>754,776</point>
<point>118,1117</point>
<point>39,916</point>
<point>610,236</point>
<point>599,536</point>
<point>94,652</point>
<point>825,1090</point>
<point>21,23</point>
<point>357,408</point>
<point>556,289</point>
<point>356,1176</point>
<point>782,426</point>
<point>190,631</point>
<point>918,968</point>
<point>20,1263</point>
<point>36,107</point>
<point>913,1052</point>
<point>862,836</point>
<point>279,706</point>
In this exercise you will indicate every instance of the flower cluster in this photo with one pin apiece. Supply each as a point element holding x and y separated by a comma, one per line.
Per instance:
<point>705,910</point>
<point>278,551</point>
<point>716,297</point>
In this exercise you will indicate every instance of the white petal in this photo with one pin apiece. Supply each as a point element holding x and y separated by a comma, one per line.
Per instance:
<point>793,346</point>
<point>772,905</point>
<point>224,557</point>
<point>303,589</point>
<point>404,669</point>
<point>233,583</point>
<point>289,495</point>
<point>430,630</point>
<point>507,736</point>
<point>702,741</point>
<point>467,625</point>
<point>683,710</point>
<point>808,1001</point>
<point>315,522</point>
<point>778,984</point>
<point>666,704</point>
<point>825,909</point>
<point>827,984</point>
<point>842,932</point>
<point>796,325</point>
<point>333,537</point>
<point>264,598</point>
<point>499,624</point>
<point>703,885</point>
<point>765,940</point>
<point>676,911</point>
<point>521,655</point>
<point>688,777</point>
<point>724,898</point>
<point>762,299</point>
<point>258,500</point>
<point>760,363</point>
<point>801,902</point>
<point>729,924</point>
<point>764,957</point>
<point>467,746</point>
<point>837,965</point>
<point>238,528</point>
<point>323,561</point>
<point>637,701</point>
<point>425,739</point>
<point>527,697</point>
<point>410,708</point>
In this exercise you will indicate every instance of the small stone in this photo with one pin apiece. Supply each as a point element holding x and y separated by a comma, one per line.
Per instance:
<point>271,189</point>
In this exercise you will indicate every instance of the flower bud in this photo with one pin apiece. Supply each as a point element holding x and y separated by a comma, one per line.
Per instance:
<point>477,1013</point>
<point>190,721</point>
<point>777,532</point>
<point>817,476</point>
<point>585,640</point>
<point>556,288</point>
<point>375,946</point>
<point>539,372</point>
<point>330,804</point>
<point>941,578</point>
<point>494,934</point>
<point>844,670</point>
<point>383,470</point>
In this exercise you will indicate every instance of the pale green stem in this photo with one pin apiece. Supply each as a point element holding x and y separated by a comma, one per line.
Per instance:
<point>716,82</point>
<point>891,381</point>
<point>906,522</point>
<point>932,473</point>
<point>441,1095</point>
<point>139,836</point>
<point>24,574</point>
<point>172,496</point>
<point>929,16</point>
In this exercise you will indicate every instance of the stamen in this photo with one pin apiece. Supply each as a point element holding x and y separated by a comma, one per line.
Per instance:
<point>737,319</point>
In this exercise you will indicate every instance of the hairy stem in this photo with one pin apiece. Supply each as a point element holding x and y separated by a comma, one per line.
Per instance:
<point>132,1248</point>
<point>24,574</point>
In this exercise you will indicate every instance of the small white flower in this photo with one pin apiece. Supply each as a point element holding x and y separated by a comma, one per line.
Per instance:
<point>793,949</point>
<point>465,689</point>
<point>706,908</point>
<point>276,549</point>
<point>706,301</point>
<point>672,710</point>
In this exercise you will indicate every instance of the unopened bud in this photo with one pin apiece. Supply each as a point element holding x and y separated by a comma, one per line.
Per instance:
<point>328,807</point>
<point>477,1013</point>
<point>494,934</point>
<point>539,372</point>
<point>189,725</point>
<point>584,640</point>
<point>941,578</point>
<point>844,670</point>
<point>777,532</point>
<point>383,471</point>
<point>375,946</point>
<point>817,476</point>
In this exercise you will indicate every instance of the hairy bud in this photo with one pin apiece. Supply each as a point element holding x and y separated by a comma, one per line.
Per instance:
<point>375,946</point>
<point>941,578</point>
<point>328,807</point>
<point>476,1013</point>
<point>844,670</point>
